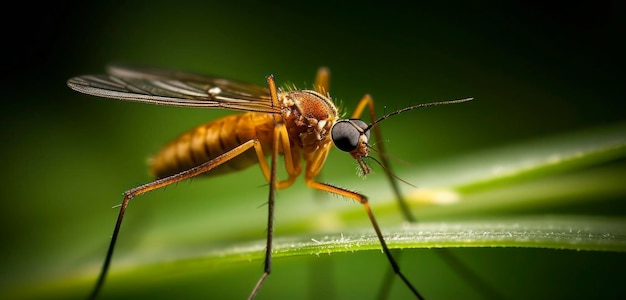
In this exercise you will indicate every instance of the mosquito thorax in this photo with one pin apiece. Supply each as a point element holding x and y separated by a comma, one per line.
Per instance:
<point>310,116</point>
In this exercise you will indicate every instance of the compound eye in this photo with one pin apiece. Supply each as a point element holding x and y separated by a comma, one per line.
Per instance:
<point>346,134</point>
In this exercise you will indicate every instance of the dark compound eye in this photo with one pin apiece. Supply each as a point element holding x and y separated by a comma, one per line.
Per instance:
<point>346,134</point>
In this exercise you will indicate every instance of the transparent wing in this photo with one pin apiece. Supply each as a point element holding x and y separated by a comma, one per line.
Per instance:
<point>172,87</point>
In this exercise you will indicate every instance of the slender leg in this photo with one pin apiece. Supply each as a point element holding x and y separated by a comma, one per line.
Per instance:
<point>406,212</point>
<point>132,193</point>
<point>279,137</point>
<point>322,80</point>
<point>270,221</point>
<point>363,200</point>
<point>369,102</point>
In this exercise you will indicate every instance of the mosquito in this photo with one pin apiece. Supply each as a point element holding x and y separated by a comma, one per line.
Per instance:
<point>300,125</point>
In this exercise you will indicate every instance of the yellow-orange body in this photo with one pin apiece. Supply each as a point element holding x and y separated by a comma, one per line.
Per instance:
<point>307,116</point>
<point>212,139</point>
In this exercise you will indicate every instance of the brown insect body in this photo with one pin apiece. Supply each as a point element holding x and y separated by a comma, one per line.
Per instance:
<point>212,139</point>
<point>308,117</point>
<point>297,124</point>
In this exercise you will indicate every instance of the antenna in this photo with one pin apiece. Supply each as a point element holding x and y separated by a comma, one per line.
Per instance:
<point>399,111</point>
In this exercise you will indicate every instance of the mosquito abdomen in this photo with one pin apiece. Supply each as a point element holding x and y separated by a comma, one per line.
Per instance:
<point>212,139</point>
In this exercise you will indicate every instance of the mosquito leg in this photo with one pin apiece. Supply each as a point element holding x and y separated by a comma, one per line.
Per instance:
<point>380,144</point>
<point>322,80</point>
<point>368,101</point>
<point>279,138</point>
<point>270,220</point>
<point>363,200</point>
<point>107,260</point>
<point>293,169</point>
<point>132,193</point>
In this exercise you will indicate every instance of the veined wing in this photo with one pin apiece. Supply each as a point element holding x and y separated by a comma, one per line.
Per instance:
<point>172,87</point>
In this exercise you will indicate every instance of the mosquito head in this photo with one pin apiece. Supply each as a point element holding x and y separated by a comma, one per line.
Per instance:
<point>352,135</point>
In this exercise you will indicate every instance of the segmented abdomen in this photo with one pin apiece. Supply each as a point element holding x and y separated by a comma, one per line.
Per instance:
<point>212,139</point>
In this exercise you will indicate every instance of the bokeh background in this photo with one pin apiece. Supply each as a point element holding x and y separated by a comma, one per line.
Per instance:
<point>535,69</point>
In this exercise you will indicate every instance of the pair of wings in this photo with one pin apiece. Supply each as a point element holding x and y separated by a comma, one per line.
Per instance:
<point>176,88</point>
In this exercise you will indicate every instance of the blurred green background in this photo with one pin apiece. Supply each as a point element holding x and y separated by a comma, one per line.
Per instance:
<point>535,70</point>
